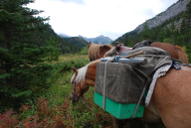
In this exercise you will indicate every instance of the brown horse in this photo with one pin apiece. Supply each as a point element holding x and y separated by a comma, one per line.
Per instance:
<point>170,101</point>
<point>96,51</point>
<point>175,51</point>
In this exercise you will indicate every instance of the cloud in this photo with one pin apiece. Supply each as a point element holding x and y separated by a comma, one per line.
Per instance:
<point>149,12</point>
<point>99,17</point>
<point>112,35</point>
<point>166,3</point>
<point>74,1</point>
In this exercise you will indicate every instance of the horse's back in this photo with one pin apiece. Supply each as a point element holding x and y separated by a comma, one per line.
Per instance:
<point>168,47</point>
<point>172,98</point>
<point>175,51</point>
<point>181,54</point>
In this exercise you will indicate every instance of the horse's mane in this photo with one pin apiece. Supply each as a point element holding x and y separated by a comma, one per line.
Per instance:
<point>81,73</point>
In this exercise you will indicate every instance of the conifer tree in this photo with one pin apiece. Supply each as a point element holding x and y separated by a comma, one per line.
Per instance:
<point>26,41</point>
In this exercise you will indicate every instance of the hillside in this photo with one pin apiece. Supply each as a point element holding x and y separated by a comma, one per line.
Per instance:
<point>175,19</point>
<point>72,44</point>
<point>75,44</point>
<point>176,28</point>
<point>171,12</point>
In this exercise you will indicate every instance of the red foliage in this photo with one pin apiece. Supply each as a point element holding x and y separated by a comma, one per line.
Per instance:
<point>24,108</point>
<point>46,117</point>
<point>8,119</point>
<point>42,107</point>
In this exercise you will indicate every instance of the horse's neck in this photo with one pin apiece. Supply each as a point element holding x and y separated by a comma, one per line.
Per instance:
<point>87,72</point>
<point>91,73</point>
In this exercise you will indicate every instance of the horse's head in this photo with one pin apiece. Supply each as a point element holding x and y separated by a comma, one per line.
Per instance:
<point>119,49</point>
<point>96,51</point>
<point>104,48</point>
<point>79,83</point>
<point>82,79</point>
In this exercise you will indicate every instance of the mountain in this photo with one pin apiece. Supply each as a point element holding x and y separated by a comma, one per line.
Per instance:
<point>171,12</point>
<point>72,44</point>
<point>77,41</point>
<point>172,25</point>
<point>99,40</point>
<point>64,35</point>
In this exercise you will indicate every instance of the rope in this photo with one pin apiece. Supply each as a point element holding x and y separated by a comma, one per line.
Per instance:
<point>104,85</point>
<point>142,93</point>
<point>138,103</point>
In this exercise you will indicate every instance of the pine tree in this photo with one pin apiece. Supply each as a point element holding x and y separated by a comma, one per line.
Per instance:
<point>26,41</point>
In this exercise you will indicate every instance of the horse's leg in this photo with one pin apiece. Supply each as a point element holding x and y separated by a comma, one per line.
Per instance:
<point>121,123</point>
<point>154,125</point>
<point>115,122</point>
<point>128,123</point>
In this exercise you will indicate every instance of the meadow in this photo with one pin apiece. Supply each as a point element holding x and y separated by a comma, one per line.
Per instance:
<point>53,108</point>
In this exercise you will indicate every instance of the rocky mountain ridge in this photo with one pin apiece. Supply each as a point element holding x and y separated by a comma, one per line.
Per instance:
<point>171,12</point>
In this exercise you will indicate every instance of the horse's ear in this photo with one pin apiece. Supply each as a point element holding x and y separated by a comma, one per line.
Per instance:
<point>74,70</point>
<point>89,44</point>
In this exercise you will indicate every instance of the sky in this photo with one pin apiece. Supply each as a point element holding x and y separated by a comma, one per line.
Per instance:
<point>91,18</point>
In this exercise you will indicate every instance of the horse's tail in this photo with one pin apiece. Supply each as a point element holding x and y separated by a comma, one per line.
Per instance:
<point>182,54</point>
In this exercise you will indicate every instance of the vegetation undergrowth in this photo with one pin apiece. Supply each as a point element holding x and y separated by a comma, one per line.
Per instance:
<point>53,108</point>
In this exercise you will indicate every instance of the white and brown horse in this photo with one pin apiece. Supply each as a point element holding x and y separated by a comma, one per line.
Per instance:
<point>171,100</point>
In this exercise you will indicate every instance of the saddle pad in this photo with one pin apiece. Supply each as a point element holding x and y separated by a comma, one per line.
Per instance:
<point>160,72</point>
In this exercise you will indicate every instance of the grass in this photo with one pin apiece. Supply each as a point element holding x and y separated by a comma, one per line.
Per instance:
<point>53,109</point>
<point>83,114</point>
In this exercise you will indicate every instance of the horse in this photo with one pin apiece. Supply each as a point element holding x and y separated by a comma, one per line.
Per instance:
<point>96,51</point>
<point>170,101</point>
<point>175,51</point>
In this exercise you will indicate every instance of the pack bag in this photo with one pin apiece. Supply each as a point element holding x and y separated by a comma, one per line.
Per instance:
<point>119,85</point>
